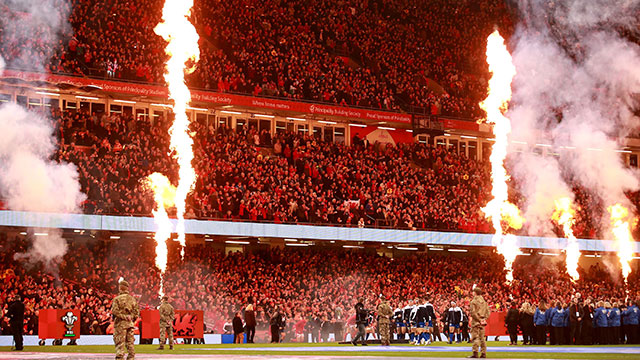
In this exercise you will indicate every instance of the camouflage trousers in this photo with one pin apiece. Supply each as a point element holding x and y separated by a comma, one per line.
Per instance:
<point>477,334</point>
<point>123,338</point>
<point>384,333</point>
<point>166,329</point>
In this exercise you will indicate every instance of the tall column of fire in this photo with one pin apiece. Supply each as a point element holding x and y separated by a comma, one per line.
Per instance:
<point>183,51</point>
<point>499,209</point>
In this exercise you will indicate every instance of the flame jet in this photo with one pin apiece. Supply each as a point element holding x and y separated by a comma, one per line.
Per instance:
<point>499,209</point>
<point>184,53</point>
<point>564,215</point>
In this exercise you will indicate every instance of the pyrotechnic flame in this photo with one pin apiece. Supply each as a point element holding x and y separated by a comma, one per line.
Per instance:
<point>182,47</point>
<point>622,234</point>
<point>499,208</point>
<point>164,195</point>
<point>564,215</point>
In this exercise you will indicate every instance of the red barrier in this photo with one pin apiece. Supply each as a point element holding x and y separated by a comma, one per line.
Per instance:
<point>188,324</point>
<point>59,324</point>
<point>495,325</point>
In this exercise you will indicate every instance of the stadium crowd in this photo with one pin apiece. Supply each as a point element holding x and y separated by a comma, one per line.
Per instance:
<point>372,53</point>
<point>246,175</point>
<point>312,286</point>
<point>287,178</point>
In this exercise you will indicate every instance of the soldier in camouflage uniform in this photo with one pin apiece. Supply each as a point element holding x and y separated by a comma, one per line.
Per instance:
<point>479,314</point>
<point>124,311</point>
<point>384,314</point>
<point>167,315</point>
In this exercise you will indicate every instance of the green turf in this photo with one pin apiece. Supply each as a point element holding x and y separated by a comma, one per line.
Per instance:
<point>307,349</point>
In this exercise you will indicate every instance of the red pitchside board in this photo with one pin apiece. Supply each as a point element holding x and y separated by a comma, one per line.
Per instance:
<point>59,324</point>
<point>188,324</point>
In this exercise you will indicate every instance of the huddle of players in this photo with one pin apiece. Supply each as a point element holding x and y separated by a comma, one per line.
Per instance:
<point>418,318</point>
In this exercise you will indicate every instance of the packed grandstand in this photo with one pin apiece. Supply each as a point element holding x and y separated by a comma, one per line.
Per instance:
<point>402,55</point>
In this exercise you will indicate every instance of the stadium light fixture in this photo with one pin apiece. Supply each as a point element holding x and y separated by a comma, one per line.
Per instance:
<point>296,119</point>
<point>124,101</point>
<point>114,237</point>
<point>208,239</point>
<point>548,254</point>
<point>296,244</point>
<point>457,250</point>
<point>87,97</point>
<point>624,151</point>
<point>40,234</point>
<point>45,93</point>
<point>385,128</point>
<point>290,240</point>
<point>264,116</point>
<point>230,112</point>
<point>409,131</point>
<point>543,145</point>
<point>358,125</point>
<point>436,249</point>
<point>162,105</point>
<point>406,248</point>
<point>491,139</point>
<point>237,242</point>
<point>327,122</point>
<point>468,137</point>
<point>24,233</point>
<point>446,134</point>
<point>197,109</point>
<point>353,247</point>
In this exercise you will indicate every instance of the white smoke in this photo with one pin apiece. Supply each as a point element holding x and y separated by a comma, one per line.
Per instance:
<point>574,90</point>
<point>30,180</point>
<point>32,30</point>
<point>541,187</point>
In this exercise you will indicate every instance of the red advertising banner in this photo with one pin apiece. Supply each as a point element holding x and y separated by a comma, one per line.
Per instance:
<point>59,324</point>
<point>188,324</point>
<point>217,98</point>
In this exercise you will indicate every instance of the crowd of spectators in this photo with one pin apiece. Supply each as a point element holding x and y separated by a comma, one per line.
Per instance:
<point>246,175</point>
<point>308,285</point>
<point>287,178</point>
<point>387,54</point>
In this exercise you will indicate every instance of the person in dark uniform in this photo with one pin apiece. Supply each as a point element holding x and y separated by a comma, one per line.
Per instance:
<point>576,317</point>
<point>361,321</point>
<point>238,329</point>
<point>15,313</point>
<point>511,320</point>
<point>250,321</point>
<point>276,324</point>
<point>587,323</point>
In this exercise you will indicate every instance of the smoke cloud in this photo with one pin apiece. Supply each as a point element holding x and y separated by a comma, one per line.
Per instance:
<point>30,180</point>
<point>574,93</point>
<point>31,31</point>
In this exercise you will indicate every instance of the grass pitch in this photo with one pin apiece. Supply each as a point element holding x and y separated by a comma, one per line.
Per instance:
<point>308,349</point>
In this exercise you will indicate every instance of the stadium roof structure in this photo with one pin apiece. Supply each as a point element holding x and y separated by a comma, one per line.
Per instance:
<point>303,232</point>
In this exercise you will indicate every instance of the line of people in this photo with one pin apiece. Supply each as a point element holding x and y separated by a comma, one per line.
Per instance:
<point>577,323</point>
